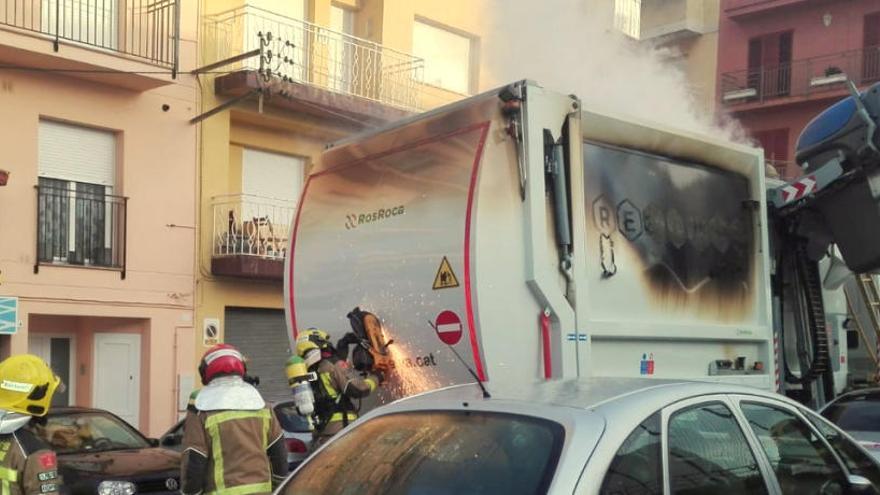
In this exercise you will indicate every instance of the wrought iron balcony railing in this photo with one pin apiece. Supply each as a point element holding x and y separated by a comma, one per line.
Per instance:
<point>801,77</point>
<point>306,53</point>
<point>145,29</point>
<point>246,225</point>
<point>78,224</point>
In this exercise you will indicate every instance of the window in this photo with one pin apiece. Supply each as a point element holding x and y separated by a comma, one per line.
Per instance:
<point>342,49</point>
<point>257,222</point>
<point>801,460</point>
<point>436,452</point>
<point>708,453</point>
<point>770,64</point>
<point>775,144</point>
<point>89,432</point>
<point>637,466</point>
<point>94,22</point>
<point>871,62</point>
<point>855,459</point>
<point>80,220</point>
<point>858,413</point>
<point>447,57</point>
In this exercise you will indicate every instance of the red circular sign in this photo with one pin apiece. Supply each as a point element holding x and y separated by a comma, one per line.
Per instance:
<point>448,327</point>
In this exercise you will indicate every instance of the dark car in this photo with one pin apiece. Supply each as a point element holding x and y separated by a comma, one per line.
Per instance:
<point>100,453</point>
<point>858,413</point>
<point>297,434</point>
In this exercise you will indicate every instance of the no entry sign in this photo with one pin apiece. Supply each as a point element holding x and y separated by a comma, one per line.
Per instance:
<point>448,327</point>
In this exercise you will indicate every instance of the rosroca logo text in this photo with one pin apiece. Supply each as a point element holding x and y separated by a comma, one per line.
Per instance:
<point>354,220</point>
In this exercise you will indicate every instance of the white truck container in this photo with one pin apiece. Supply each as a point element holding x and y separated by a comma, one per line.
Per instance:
<point>648,256</point>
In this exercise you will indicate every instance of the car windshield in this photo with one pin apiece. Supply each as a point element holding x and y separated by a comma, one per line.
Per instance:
<point>436,452</point>
<point>88,432</point>
<point>860,413</point>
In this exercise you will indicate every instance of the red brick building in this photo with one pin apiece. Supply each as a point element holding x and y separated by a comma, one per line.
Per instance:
<point>780,62</point>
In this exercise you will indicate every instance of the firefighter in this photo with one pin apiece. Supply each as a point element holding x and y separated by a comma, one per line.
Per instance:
<point>27,464</point>
<point>232,441</point>
<point>336,386</point>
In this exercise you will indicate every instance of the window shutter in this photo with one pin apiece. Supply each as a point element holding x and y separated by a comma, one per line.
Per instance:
<point>271,175</point>
<point>75,153</point>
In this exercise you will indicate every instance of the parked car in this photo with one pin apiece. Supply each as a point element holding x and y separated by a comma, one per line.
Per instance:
<point>605,436</point>
<point>99,452</point>
<point>858,413</point>
<point>297,434</point>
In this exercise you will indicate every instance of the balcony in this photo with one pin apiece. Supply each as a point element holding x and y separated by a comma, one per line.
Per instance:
<point>250,236</point>
<point>743,8</point>
<point>78,225</point>
<point>311,68</point>
<point>129,37</point>
<point>800,80</point>
<point>671,20</point>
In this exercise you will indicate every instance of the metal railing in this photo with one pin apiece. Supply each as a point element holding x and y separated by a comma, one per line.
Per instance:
<point>146,29</point>
<point>306,53</point>
<point>78,225</point>
<point>787,170</point>
<point>247,225</point>
<point>801,77</point>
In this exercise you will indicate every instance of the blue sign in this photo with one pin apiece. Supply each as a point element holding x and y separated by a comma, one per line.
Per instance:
<point>8,315</point>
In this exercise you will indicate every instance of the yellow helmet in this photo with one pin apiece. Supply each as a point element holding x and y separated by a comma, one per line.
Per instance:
<point>27,385</point>
<point>310,340</point>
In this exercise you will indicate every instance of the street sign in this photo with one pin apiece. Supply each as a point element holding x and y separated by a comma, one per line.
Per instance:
<point>8,315</point>
<point>448,327</point>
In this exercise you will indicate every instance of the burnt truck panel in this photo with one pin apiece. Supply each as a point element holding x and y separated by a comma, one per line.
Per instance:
<point>673,239</point>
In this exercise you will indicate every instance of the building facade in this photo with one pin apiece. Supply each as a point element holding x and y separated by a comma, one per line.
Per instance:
<point>281,79</point>
<point>780,62</point>
<point>688,29</point>
<point>97,217</point>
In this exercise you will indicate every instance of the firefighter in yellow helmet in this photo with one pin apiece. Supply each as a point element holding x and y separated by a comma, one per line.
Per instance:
<point>27,464</point>
<point>336,386</point>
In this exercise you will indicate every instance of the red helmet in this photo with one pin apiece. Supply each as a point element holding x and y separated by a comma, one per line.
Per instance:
<point>222,359</point>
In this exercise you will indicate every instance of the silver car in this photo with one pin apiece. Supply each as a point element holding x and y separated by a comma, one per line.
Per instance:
<point>605,436</point>
<point>858,413</point>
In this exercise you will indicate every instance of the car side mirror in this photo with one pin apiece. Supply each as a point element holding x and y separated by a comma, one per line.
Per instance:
<point>852,339</point>
<point>859,485</point>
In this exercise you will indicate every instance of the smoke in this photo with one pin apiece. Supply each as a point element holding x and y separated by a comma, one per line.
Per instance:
<point>571,46</point>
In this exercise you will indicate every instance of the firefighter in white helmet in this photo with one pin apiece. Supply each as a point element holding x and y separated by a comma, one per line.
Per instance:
<point>336,385</point>
<point>232,442</point>
<point>27,464</point>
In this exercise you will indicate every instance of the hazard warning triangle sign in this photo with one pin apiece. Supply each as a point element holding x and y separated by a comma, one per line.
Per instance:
<point>445,278</point>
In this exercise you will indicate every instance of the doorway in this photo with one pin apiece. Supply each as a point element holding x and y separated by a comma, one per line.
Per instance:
<point>118,375</point>
<point>59,351</point>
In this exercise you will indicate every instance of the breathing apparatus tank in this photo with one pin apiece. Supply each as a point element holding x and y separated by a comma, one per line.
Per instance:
<point>298,377</point>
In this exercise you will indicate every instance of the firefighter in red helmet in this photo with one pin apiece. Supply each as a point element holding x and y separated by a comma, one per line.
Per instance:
<point>232,441</point>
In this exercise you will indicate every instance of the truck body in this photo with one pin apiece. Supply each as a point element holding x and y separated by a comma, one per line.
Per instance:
<point>517,236</point>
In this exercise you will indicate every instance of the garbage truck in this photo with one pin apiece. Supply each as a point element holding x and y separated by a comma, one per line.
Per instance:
<point>518,236</point>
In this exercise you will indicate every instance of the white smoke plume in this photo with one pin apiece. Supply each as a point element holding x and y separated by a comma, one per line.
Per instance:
<point>571,46</point>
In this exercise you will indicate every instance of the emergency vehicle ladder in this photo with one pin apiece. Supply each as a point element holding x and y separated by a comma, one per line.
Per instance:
<point>870,298</point>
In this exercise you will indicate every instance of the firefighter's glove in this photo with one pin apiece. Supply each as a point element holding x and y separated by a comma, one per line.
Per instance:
<point>377,375</point>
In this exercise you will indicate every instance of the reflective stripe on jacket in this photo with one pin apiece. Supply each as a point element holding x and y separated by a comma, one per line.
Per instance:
<point>235,445</point>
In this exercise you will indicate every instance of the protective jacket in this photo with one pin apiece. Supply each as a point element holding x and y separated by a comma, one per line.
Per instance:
<point>337,385</point>
<point>27,465</point>
<point>232,442</point>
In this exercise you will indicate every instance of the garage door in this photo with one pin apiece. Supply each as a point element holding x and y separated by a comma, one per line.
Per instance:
<point>261,335</point>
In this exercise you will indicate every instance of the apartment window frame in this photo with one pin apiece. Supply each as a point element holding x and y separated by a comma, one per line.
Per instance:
<point>81,221</point>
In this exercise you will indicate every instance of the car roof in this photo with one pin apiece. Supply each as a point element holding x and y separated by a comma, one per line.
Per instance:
<point>872,393</point>
<point>589,393</point>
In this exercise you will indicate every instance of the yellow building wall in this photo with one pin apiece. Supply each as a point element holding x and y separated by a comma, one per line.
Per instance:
<point>224,136</point>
